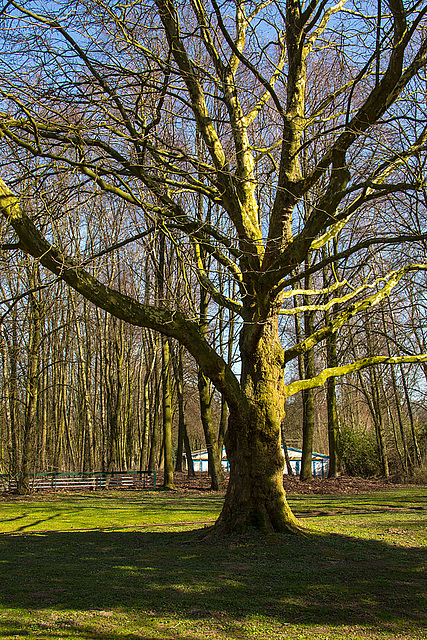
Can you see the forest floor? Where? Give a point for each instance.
(344, 485)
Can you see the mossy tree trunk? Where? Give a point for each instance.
(255, 495)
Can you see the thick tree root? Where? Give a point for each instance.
(257, 521)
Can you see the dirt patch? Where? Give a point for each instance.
(342, 485)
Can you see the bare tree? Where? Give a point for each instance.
(122, 114)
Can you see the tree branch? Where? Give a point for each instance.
(167, 322)
(335, 372)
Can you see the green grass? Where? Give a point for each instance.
(115, 566)
(106, 510)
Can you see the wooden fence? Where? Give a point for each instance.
(88, 481)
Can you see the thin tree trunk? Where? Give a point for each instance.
(146, 423)
(214, 460)
(224, 407)
(183, 440)
(331, 394)
(168, 482)
(331, 401)
(9, 393)
(155, 395)
(87, 438)
(150, 367)
(15, 432)
(205, 397)
(32, 386)
(406, 458)
(378, 417)
(190, 465)
(113, 375)
(130, 428)
(379, 422)
(103, 435)
(179, 384)
(118, 373)
(417, 452)
(308, 395)
(58, 412)
(285, 450)
(43, 455)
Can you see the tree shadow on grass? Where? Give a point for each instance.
(328, 580)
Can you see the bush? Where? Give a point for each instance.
(359, 454)
(419, 475)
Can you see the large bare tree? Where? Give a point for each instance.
(249, 133)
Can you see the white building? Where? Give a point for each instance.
(320, 462)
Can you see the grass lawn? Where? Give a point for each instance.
(131, 565)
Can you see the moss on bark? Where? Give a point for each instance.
(255, 497)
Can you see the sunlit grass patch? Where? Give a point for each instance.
(133, 565)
